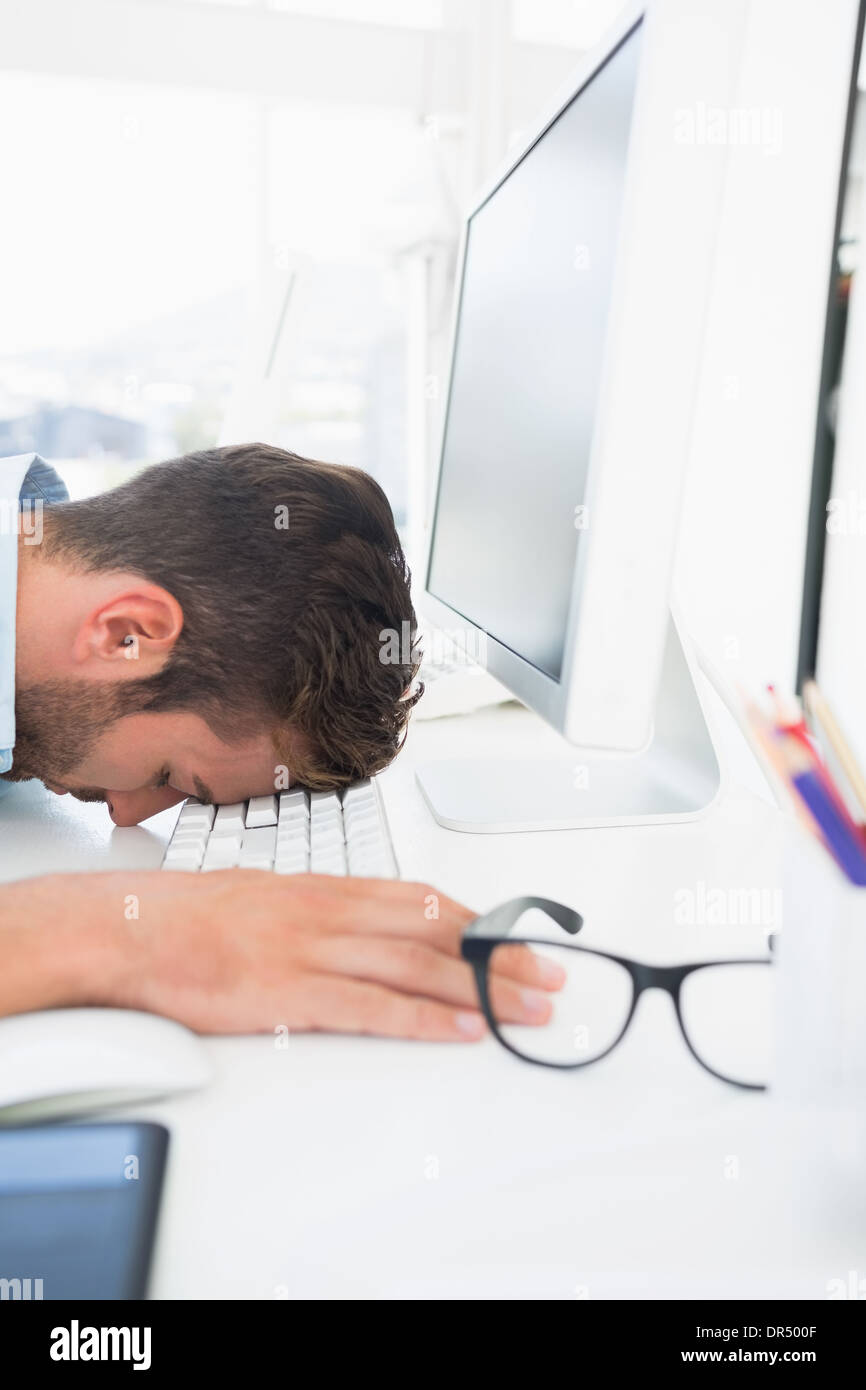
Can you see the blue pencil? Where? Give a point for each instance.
(846, 847)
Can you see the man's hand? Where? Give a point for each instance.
(245, 951)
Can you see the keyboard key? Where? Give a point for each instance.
(362, 821)
(222, 852)
(223, 847)
(361, 824)
(323, 803)
(190, 839)
(293, 801)
(326, 836)
(297, 849)
(299, 842)
(362, 805)
(229, 819)
(367, 848)
(367, 853)
(196, 813)
(368, 862)
(261, 810)
(294, 830)
(296, 862)
(187, 857)
(188, 830)
(330, 825)
(327, 862)
(193, 839)
(370, 828)
(257, 847)
(359, 791)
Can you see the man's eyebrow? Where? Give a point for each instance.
(202, 792)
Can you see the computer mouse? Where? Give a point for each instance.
(63, 1062)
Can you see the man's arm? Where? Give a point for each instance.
(52, 953)
(245, 951)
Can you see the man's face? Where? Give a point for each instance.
(138, 764)
(146, 762)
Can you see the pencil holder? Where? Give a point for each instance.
(821, 959)
(820, 1067)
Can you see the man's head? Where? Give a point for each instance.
(209, 625)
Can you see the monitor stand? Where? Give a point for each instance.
(674, 778)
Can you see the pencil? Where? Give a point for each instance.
(840, 833)
(789, 720)
(823, 716)
(764, 743)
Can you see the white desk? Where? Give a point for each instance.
(362, 1168)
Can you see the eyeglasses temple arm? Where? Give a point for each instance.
(497, 923)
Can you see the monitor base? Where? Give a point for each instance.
(675, 778)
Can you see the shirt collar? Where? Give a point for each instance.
(13, 471)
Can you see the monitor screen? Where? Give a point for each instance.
(526, 372)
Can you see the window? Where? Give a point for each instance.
(126, 261)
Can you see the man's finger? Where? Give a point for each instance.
(385, 907)
(418, 969)
(357, 1006)
(416, 911)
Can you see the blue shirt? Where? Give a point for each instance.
(27, 485)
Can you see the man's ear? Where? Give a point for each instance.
(139, 625)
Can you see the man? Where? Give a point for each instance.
(214, 628)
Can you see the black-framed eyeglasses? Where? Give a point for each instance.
(724, 1007)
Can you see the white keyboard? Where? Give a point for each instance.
(293, 832)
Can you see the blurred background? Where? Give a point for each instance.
(239, 218)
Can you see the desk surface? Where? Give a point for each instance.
(335, 1167)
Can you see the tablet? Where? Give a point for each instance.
(78, 1209)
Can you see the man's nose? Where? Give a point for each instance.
(129, 808)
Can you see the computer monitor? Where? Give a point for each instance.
(535, 298)
(832, 648)
(584, 278)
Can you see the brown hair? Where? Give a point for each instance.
(293, 586)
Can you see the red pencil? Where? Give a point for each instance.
(790, 723)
